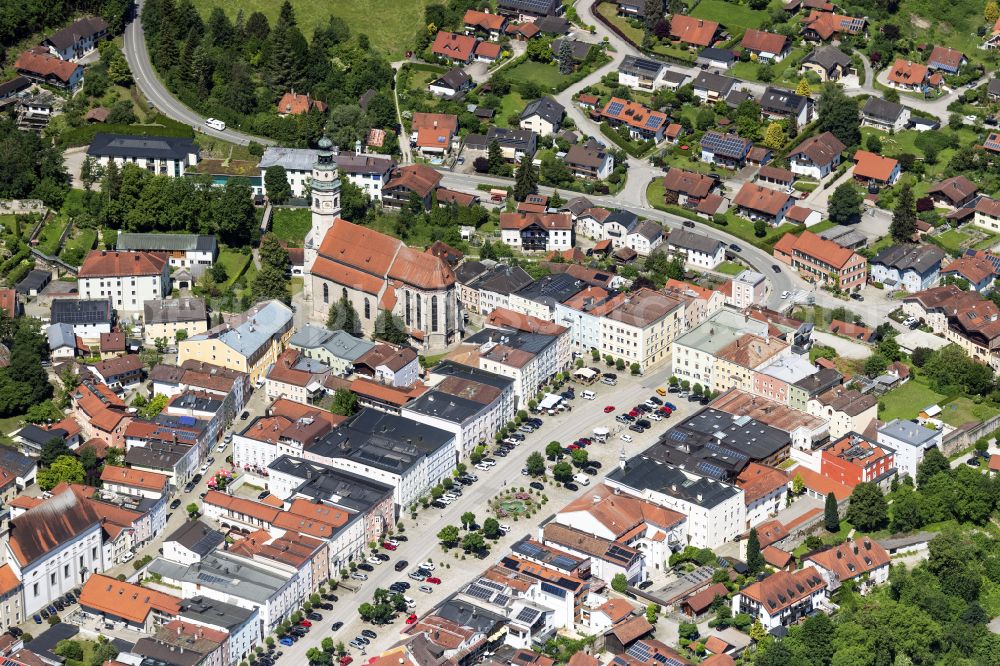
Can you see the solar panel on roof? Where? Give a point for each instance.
(619, 553)
(614, 108)
(529, 549)
(493, 585)
(670, 661)
(527, 615)
(478, 592)
(639, 651)
(501, 600)
(563, 562)
(710, 469)
(652, 121)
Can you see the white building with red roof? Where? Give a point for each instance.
(862, 559)
(128, 279)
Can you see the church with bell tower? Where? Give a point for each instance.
(325, 193)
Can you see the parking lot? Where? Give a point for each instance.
(455, 569)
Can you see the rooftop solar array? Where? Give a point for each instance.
(725, 144)
(563, 562)
(478, 592)
(653, 121)
(527, 615)
(618, 553)
(614, 108)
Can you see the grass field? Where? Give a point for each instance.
(291, 224)
(78, 244)
(730, 268)
(544, 74)
(953, 239)
(906, 401)
(609, 11)
(729, 14)
(390, 27)
(234, 263)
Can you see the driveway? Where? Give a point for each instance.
(73, 158)
(843, 346)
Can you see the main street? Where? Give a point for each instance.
(455, 572)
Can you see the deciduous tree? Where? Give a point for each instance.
(276, 184)
(867, 510)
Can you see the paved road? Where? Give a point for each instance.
(149, 83)
(422, 545)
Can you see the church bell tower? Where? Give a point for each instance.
(325, 193)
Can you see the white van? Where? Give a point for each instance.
(588, 395)
(582, 479)
(215, 124)
(410, 603)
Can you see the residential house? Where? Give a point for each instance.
(911, 268)
(820, 26)
(765, 492)
(77, 39)
(993, 90)
(296, 104)
(780, 104)
(453, 46)
(581, 315)
(590, 160)
(88, 318)
(907, 75)
(859, 559)
(816, 157)
(847, 410)
(991, 40)
(39, 66)
(368, 172)
(772, 175)
(543, 116)
(297, 377)
(641, 73)
(248, 343)
(699, 303)
(168, 317)
(492, 288)
(711, 87)
(783, 598)
(432, 133)
(727, 150)
(910, 442)
(641, 329)
(643, 123)
(693, 31)
(515, 145)
(697, 250)
(452, 83)
(747, 289)
(986, 214)
(533, 231)
(946, 59)
(142, 609)
(828, 62)
(977, 271)
(874, 169)
(128, 279)
(767, 46)
(489, 25)
(687, 188)
(405, 181)
(757, 202)
(578, 49)
(160, 155)
(823, 261)
(854, 459)
(118, 372)
(529, 10)
(389, 365)
(884, 115)
(954, 193)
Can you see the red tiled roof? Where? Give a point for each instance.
(852, 558)
(635, 115)
(783, 589)
(453, 45)
(100, 263)
(691, 30)
(8, 301)
(44, 65)
(490, 50)
(820, 484)
(851, 330)
(418, 178)
(484, 20)
(764, 42)
(905, 72)
(127, 476)
(815, 247)
(974, 269)
(294, 104)
(776, 557)
(125, 600)
(762, 199)
(827, 24)
(550, 221)
(758, 481)
(944, 55)
(692, 184)
(876, 167)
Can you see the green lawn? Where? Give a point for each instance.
(390, 27)
(962, 410)
(291, 224)
(544, 74)
(77, 245)
(609, 11)
(906, 401)
(234, 262)
(48, 237)
(953, 239)
(512, 104)
(7, 221)
(748, 70)
(729, 14)
(730, 268)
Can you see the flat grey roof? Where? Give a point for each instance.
(348, 491)
(909, 432)
(166, 242)
(644, 473)
(219, 571)
(215, 613)
(720, 329)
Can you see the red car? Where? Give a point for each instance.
(634, 413)
(388, 546)
(412, 619)
(346, 659)
(433, 579)
(666, 410)
(573, 447)
(609, 409)
(305, 623)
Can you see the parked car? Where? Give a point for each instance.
(609, 409)
(368, 633)
(645, 585)
(417, 576)
(346, 659)
(402, 564)
(176, 503)
(412, 619)
(336, 625)
(286, 641)
(635, 427)
(359, 576)
(314, 616)
(433, 579)
(569, 485)
(426, 588)
(536, 485)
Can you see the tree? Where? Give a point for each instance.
(831, 518)
(468, 520)
(389, 327)
(448, 536)
(562, 472)
(904, 216)
(343, 317)
(688, 632)
(845, 204)
(838, 114)
(192, 510)
(345, 402)
(64, 468)
(554, 450)
(803, 89)
(473, 542)
(526, 179)
(774, 135)
(876, 364)
(798, 484)
(155, 405)
(619, 583)
(933, 463)
(652, 612)
(755, 561)
(565, 57)
(491, 528)
(991, 12)
(271, 281)
(920, 356)
(535, 464)
(759, 228)
(705, 118)
(51, 450)
(579, 457)
(757, 631)
(276, 184)
(867, 510)
(494, 155)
